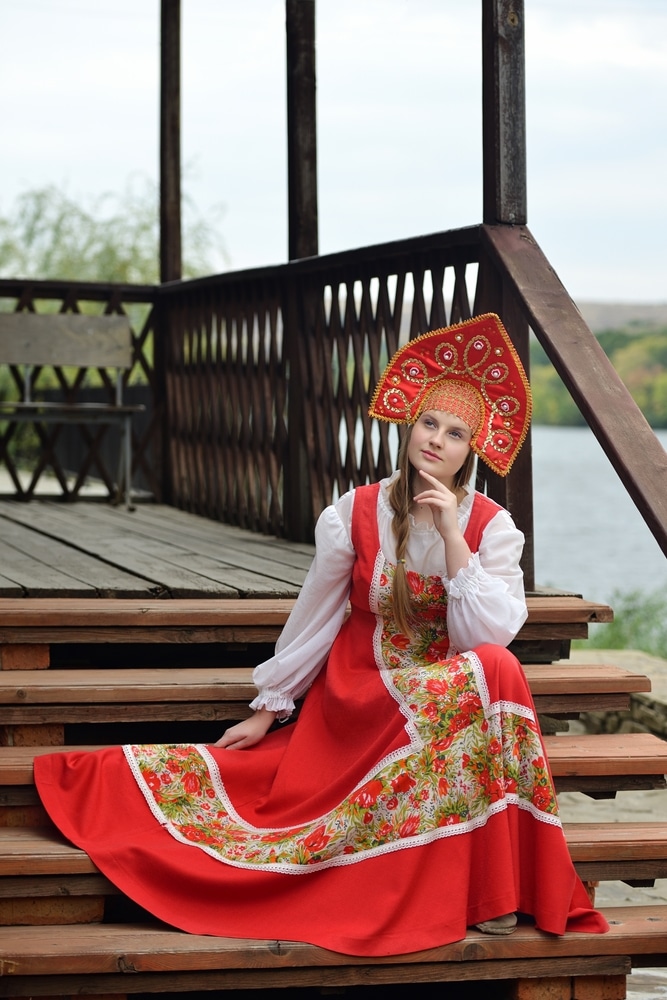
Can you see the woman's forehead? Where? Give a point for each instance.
(445, 417)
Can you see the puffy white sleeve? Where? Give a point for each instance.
(315, 619)
(486, 599)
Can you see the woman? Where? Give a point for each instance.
(412, 798)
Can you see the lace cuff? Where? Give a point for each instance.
(274, 701)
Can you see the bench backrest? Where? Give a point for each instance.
(65, 339)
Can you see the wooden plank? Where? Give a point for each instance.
(203, 535)
(32, 887)
(155, 613)
(604, 754)
(134, 711)
(635, 930)
(88, 574)
(561, 608)
(235, 683)
(16, 762)
(632, 754)
(65, 339)
(550, 678)
(232, 633)
(9, 588)
(130, 554)
(191, 611)
(334, 979)
(171, 565)
(39, 578)
(617, 841)
(281, 549)
(42, 851)
(49, 910)
(151, 684)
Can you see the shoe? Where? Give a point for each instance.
(499, 925)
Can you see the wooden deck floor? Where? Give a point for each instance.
(91, 549)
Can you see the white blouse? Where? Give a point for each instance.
(486, 601)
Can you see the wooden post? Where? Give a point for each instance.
(504, 141)
(170, 141)
(301, 129)
(504, 111)
(302, 242)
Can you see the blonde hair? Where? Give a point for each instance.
(401, 493)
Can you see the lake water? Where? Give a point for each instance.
(589, 536)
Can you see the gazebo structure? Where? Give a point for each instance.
(259, 379)
(257, 386)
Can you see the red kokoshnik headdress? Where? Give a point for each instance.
(471, 369)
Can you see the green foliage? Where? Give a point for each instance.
(114, 238)
(640, 622)
(639, 355)
(552, 403)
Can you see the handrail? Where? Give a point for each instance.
(607, 406)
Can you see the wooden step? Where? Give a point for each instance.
(600, 851)
(616, 761)
(130, 694)
(141, 958)
(57, 620)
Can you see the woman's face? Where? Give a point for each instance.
(439, 444)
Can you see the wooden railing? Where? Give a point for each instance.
(268, 375)
(260, 379)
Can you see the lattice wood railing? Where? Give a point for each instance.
(74, 454)
(268, 375)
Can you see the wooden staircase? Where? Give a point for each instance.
(187, 667)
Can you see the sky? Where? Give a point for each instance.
(399, 122)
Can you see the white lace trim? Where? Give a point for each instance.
(405, 843)
(511, 708)
(274, 701)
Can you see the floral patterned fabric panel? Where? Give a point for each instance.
(469, 764)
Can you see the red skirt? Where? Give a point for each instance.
(343, 830)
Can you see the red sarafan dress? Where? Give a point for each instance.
(411, 799)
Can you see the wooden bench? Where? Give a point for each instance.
(29, 342)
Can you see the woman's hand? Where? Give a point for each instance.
(444, 503)
(245, 734)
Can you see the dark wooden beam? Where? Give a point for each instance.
(630, 444)
(170, 141)
(301, 129)
(504, 112)
(495, 293)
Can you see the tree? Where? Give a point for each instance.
(114, 238)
